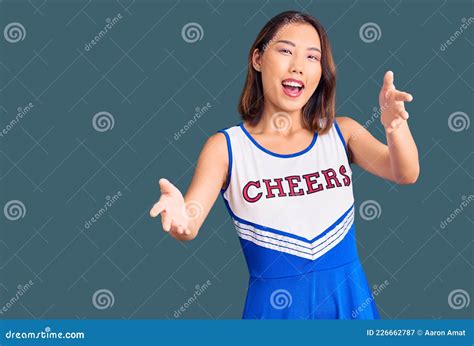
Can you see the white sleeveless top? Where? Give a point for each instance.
(300, 204)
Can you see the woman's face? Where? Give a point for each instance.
(290, 66)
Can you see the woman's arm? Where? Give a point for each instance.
(403, 155)
(183, 217)
(397, 161)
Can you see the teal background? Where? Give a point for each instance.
(151, 80)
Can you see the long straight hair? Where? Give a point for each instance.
(319, 111)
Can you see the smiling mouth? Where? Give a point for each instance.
(292, 89)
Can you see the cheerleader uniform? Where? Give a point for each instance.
(294, 216)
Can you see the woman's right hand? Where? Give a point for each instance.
(183, 217)
(172, 208)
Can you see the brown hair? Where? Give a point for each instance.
(319, 111)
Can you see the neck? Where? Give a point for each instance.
(278, 122)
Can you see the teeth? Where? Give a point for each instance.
(293, 84)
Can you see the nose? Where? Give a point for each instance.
(297, 69)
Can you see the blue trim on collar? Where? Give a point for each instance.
(342, 139)
(229, 153)
(315, 137)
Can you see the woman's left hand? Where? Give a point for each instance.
(392, 104)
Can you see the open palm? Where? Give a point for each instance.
(172, 208)
(392, 104)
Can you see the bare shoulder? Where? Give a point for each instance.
(214, 153)
(348, 126)
(216, 144)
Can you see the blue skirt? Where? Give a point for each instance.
(336, 293)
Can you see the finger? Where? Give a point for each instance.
(404, 115)
(395, 123)
(403, 96)
(399, 107)
(166, 221)
(388, 80)
(176, 228)
(166, 186)
(157, 209)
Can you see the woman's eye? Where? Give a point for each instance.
(284, 50)
(312, 57)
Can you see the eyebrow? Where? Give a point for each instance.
(294, 45)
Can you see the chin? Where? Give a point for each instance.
(290, 107)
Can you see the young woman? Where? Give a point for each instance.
(284, 174)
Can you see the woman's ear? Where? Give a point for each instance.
(256, 59)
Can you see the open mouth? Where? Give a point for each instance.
(292, 87)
